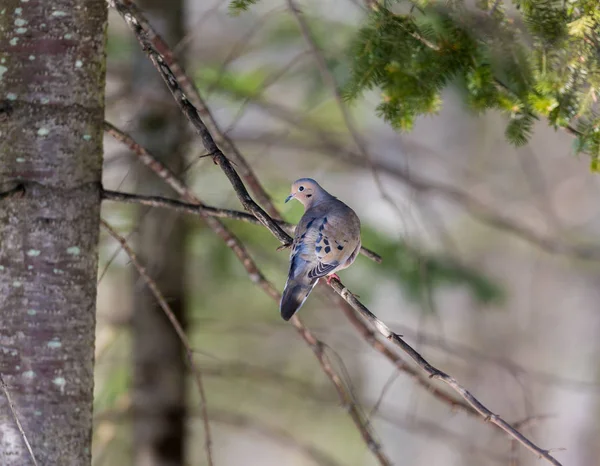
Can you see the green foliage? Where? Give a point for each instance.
(419, 273)
(236, 83)
(238, 6)
(549, 68)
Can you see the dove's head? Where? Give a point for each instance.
(307, 191)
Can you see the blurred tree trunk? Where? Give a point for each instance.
(52, 71)
(159, 375)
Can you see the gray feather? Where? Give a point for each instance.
(294, 294)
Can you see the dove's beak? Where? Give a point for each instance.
(289, 197)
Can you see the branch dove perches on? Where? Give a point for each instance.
(327, 239)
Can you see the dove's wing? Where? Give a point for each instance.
(327, 239)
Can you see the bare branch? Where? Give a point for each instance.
(156, 49)
(522, 424)
(193, 95)
(281, 436)
(370, 337)
(258, 278)
(470, 203)
(194, 209)
(180, 188)
(435, 373)
(176, 325)
(13, 411)
(248, 203)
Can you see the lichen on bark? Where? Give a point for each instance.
(51, 112)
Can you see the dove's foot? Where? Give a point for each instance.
(331, 277)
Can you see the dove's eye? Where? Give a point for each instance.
(301, 188)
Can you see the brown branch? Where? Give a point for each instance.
(523, 423)
(194, 209)
(13, 411)
(329, 80)
(248, 203)
(435, 373)
(258, 278)
(180, 188)
(191, 92)
(370, 337)
(176, 325)
(471, 204)
(242, 421)
(278, 434)
(326, 75)
(149, 42)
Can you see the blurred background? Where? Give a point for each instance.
(479, 272)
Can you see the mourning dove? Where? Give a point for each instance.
(327, 239)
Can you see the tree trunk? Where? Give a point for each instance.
(159, 375)
(52, 71)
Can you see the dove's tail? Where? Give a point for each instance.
(294, 295)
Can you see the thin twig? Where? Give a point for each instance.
(258, 278)
(176, 325)
(470, 203)
(182, 190)
(13, 411)
(249, 204)
(435, 373)
(195, 108)
(522, 424)
(195, 209)
(370, 337)
(329, 80)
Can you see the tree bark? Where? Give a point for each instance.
(52, 72)
(159, 375)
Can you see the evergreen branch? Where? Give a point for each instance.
(258, 278)
(151, 284)
(495, 5)
(327, 76)
(195, 209)
(329, 80)
(238, 186)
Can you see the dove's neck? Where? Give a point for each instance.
(317, 199)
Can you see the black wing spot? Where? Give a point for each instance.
(326, 242)
(318, 248)
(322, 227)
(319, 238)
(340, 247)
(327, 250)
(309, 224)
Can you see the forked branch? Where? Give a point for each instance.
(130, 14)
